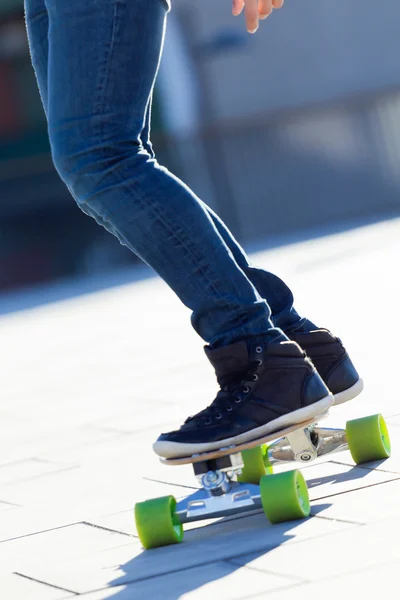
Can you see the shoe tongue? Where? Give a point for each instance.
(228, 360)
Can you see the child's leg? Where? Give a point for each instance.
(103, 58)
(275, 291)
(269, 286)
(325, 350)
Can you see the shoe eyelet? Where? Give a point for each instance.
(237, 400)
(229, 408)
(259, 349)
(218, 416)
(259, 362)
(246, 390)
(255, 377)
(208, 421)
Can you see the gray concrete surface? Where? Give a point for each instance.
(88, 383)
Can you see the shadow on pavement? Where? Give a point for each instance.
(173, 571)
(208, 553)
(354, 473)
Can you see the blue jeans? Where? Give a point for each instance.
(96, 62)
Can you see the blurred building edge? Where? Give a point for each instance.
(293, 129)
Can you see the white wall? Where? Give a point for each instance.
(310, 51)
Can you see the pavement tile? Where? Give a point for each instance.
(25, 522)
(331, 478)
(203, 545)
(369, 505)
(31, 468)
(14, 587)
(76, 435)
(329, 556)
(368, 584)
(394, 419)
(49, 443)
(75, 541)
(219, 580)
(71, 499)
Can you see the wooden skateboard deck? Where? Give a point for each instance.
(213, 454)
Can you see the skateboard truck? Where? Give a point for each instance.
(305, 445)
(222, 494)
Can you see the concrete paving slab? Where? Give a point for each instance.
(83, 400)
(219, 580)
(364, 583)
(31, 468)
(329, 556)
(16, 587)
(70, 499)
(369, 505)
(202, 546)
(74, 541)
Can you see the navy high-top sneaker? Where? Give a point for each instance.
(332, 363)
(264, 388)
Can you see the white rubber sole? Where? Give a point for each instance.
(167, 449)
(348, 394)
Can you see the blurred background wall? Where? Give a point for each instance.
(294, 129)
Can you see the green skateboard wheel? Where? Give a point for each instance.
(368, 439)
(284, 496)
(255, 465)
(157, 524)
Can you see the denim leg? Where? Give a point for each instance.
(37, 25)
(103, 58)
(269, 286)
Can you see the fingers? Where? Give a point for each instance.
(254, 10)
(251, 15)
(237, 7)
(264, 8)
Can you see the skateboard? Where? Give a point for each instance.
(238, 479)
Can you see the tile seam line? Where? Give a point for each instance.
(95, 526)
(20, 461)
(296, 580)
(365, 487)
(133, 536)
(51, 585)
(11, 504)
(340, 520)
(187, 487)
(358, 571)
(329, 578)
(34, 477)
(293, 541)
(150, 577)
(20, 537)
(278, 590)
(206, 563)
(362, 466)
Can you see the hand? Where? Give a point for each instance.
(254, 10)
